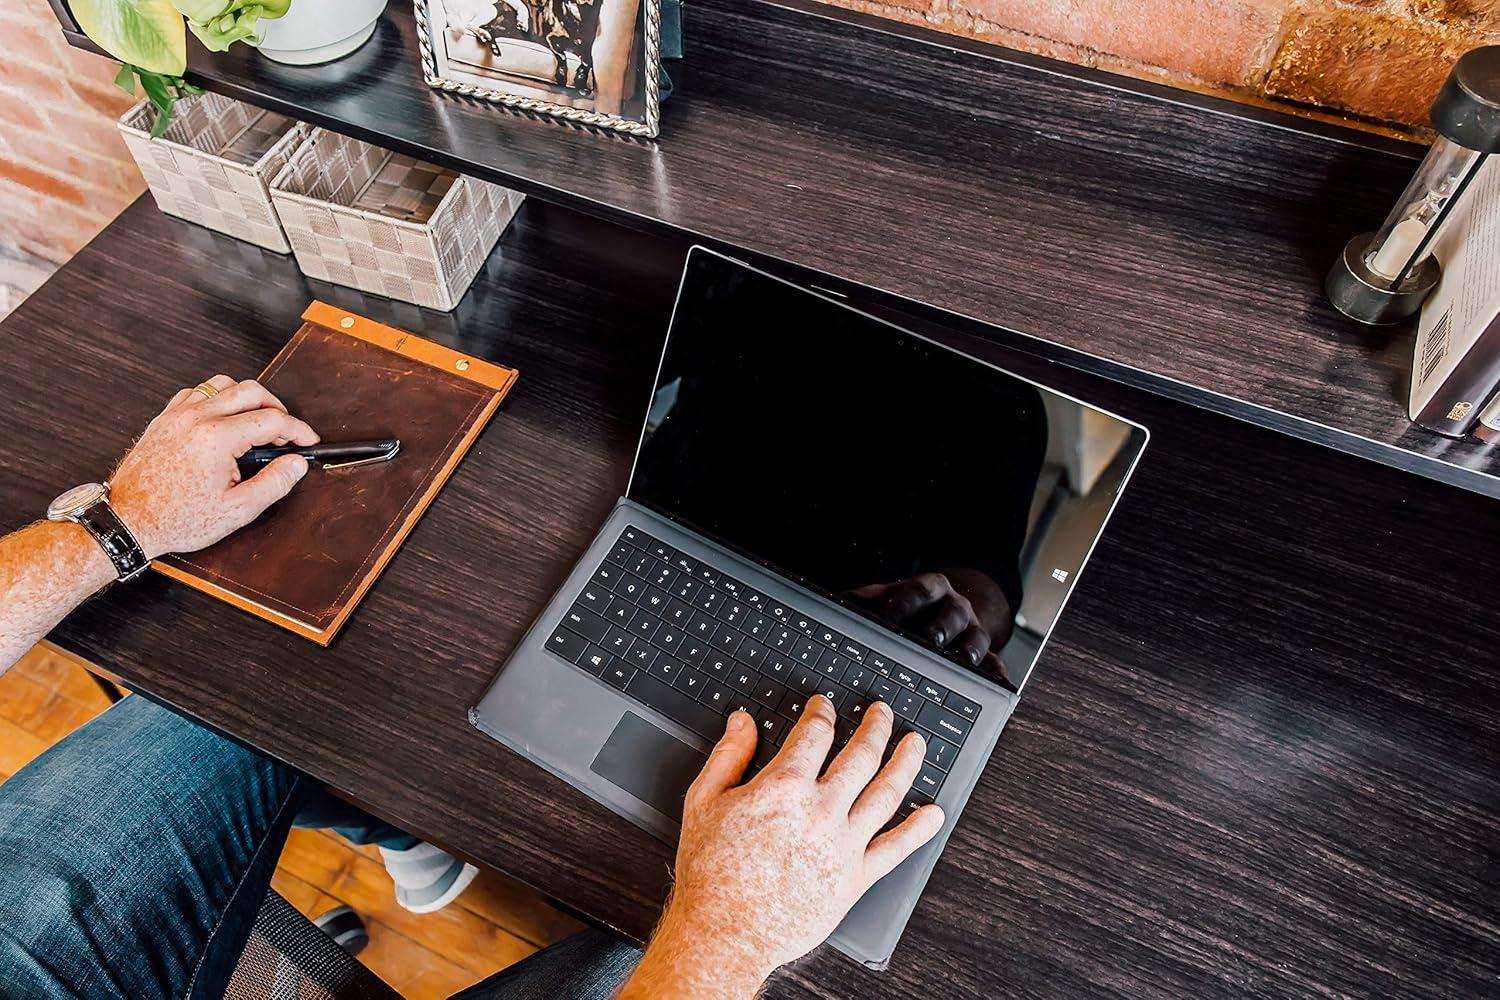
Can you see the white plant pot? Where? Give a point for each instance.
(318, 31)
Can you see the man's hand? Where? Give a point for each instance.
(766, 870)
(959, 610)
(179, 489)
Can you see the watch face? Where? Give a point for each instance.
(76, 500)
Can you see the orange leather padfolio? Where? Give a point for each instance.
(307, 561)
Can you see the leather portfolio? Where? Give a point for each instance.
(307, 561)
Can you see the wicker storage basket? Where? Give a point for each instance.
(214, 162)
(363, 216)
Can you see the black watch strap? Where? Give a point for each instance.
(115, 539)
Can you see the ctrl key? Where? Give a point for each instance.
(569, 645)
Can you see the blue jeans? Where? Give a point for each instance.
(134, 856)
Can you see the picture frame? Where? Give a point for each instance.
(595, 62)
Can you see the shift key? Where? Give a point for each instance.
(677, 706)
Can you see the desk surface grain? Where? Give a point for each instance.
(1257, 757)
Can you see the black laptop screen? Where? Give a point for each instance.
(945, 499)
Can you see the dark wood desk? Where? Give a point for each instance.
(1258, 756)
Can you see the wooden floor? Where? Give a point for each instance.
(494, 923)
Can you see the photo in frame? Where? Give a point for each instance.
(597, 62)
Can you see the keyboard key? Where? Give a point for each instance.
(569, 645)
(618, 673)
(654, 600)
(756, 626)
(621, 554)
(831, 665)
(772, 728)
(729, 585)
(905, 676)
(783, 639)
(690, 682)
(908, 704)
(932, 690)
(707, 576)
(768, 693)
(726, 640)
(913, 801)
(708, 600)
(732, 612)
(807, 653)
(617, 641)
(635, 536)
(743, 679)
(777, 668)
(620, 611)
(803, 624)
(606, 575)
(792, 703)
(629, 587)
(805, 680)
(676, 706)
(644, 624)
(718, 664)
(858, 678)
(693, 651)
(669, 638)
(702, 627)
(854, 709)
(828, 637)
(765, 752)
(778, 611)
(754, 598)
(940, 752)
(593, 597)
(665, 667)
(948, 725)
(835, 694)
(641, 656)
(685, 588)
(661, 550)
(586, 623)
(880, 664)
(752, 654)
(963, 706)
(685, 564)
(594, 660)
(641, 565)
(929, 780)
(853, 650)
(678, 613)
(742, 703)
(716, 696)
(664, 577)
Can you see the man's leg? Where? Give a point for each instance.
(134, 856)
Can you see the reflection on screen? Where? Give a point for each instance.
(909, 483)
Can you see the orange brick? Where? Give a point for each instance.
(1382, 66)
(1220, 41)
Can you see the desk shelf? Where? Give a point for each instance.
(1172, 242)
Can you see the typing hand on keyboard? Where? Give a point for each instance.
(768, 868)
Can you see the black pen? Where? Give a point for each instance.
(330, 456)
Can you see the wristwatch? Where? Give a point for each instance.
(88, 505)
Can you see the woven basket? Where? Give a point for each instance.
(213, 164)
(381, 222)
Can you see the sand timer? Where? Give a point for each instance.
(1383, 277)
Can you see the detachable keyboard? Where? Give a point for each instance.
(695, 644)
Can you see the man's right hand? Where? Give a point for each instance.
(767, 869)
(179, 489)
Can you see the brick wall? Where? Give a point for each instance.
(64, 172)
(1380, 61)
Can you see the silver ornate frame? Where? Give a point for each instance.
(646, 129)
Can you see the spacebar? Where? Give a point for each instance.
(676, 706)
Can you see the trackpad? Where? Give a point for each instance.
(654, 766)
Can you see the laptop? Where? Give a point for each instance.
(821, 502)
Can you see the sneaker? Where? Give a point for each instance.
(427, 878)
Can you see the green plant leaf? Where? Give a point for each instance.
(125, 79)
(148, 34)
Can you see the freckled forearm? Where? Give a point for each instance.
(46, 570)
(689, 960)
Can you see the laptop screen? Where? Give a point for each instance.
(938, 496)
